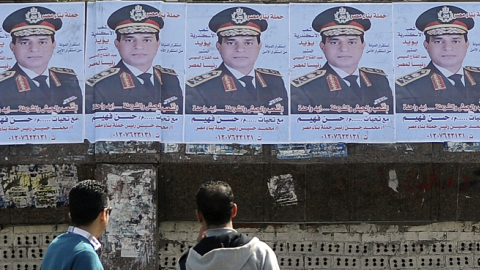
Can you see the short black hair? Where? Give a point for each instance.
(220, 38)
(87, 199)
(119, 36)
(324, 39)
(14, 38)
(215, 202)
(427, 37)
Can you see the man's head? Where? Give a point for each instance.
(137, 27)
(238, 30)
(215, 203)
(87, 200)
(446, 41)
(342, 30)
(32, 32)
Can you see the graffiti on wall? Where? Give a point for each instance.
(36, 186)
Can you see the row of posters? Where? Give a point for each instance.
(230, 73)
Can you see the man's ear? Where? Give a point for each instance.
(217, 45)
(322, 45)
(12, 46)
(103, 215)
(199, 216)
(116, 43)
(234, 210)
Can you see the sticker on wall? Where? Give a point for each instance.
(282, 189)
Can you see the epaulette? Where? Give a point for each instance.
(195, 81)
(7, 74)
(373, 71)
(473, 69)
(268, 71)
(412, 77)
(102, 75)
(308, 77)
(63, 70)
(166, 70)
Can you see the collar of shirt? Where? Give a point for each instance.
(92, 239)
(33, 74)
(237, 74)
(447, 73)
(219, 231)
(137, 71)
(344, 74)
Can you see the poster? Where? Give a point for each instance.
(51, 50)
(330, 42)
(219, 107)
(239, 73)
(430, 108)
(126, 41)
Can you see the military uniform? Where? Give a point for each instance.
(323, 87)
(323, 90)
(62, 93)
(17, 89)
(428, 86)
(221, 89)
(428, 89)
(118, 85)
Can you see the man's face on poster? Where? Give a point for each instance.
(343, 52)
(33, 52)
(138, 49)
(240, 52)
(447, 51)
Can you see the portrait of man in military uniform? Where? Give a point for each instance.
(340, 85)
(236, 86)
(135, 84)
(444, 84)
(31, 86)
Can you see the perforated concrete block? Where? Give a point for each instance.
(331, 248)
(346, 262)
(465, 261)
(294, 262)
(403, 262)
(374, 262)
(317, 262)
(430, 261)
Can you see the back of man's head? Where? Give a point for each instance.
(215, 202)
(87, 200)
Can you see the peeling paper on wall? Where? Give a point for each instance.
(282, 189)
(393, 180)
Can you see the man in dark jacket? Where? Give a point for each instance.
(236, 86)
(340, 86)
(219, 245)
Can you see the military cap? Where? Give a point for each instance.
(444, 20)
(238, 21)
(32, 21)
(341, 21)
(137, 18)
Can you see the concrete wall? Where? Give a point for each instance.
(374, 197)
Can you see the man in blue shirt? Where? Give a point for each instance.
(90, 213)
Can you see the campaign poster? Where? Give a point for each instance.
(437, 73)
(237, 66)
(341, 73)
(41, 79)
(134, 70)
